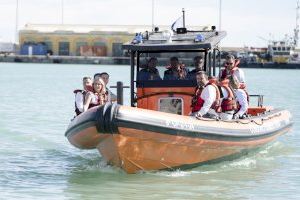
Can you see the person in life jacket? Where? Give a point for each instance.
(80, 94)
(206, 100)
(231, 68)
(241, 96)
(111, 97)
(149, 72)
(228, 101)
(176, 70)
(97, 97)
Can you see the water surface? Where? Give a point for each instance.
(37, 162)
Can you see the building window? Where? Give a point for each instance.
(49, 47)
(63, 48)
(117, 50)
(78, 47)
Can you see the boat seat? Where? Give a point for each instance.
(254, 111)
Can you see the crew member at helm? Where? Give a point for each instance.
(176, 70)
(231, 68)
(206, 100)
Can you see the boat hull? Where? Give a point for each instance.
(142, 140)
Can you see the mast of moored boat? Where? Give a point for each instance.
(183, 17)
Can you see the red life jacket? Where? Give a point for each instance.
(197, 101)
(77, 111)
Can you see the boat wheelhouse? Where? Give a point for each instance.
(156, 94)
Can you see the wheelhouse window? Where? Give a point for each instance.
(169, 69)
(171, 105)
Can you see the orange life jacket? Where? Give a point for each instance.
(229, 103)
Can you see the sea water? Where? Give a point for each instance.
(37, 161)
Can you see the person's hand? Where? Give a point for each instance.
(235, 116)
(198, 115)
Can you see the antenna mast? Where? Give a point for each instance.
(183, 17)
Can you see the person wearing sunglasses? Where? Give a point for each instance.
(231, 68)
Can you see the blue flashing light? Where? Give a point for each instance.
(199, 38)
(137, 39)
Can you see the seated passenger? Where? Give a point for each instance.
(241, 96)
(231, 68)
(111, 97)
(149, 72)
(199, 66)
(206, 101)
(96, 98)
(80, 94)
(176, 71)
(228, 101)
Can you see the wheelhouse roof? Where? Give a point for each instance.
(212, 39)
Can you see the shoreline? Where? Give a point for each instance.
(121, 61)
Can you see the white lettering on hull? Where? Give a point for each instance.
(179, 125)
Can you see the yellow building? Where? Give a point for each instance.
(83, 40)
(78, 40)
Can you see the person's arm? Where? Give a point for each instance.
(79, 101)
(240, 75)
(209, 96)
(112, 96)
(88, 99)
(242, 99)
(166, 75)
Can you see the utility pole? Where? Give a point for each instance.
(62, 11)
(17, 23)
(153, 15)
(220, 15)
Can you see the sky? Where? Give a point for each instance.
(245, 21)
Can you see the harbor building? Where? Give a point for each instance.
(78, 40)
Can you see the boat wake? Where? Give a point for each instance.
(262, 157)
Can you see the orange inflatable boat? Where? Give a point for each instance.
(156, 131)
